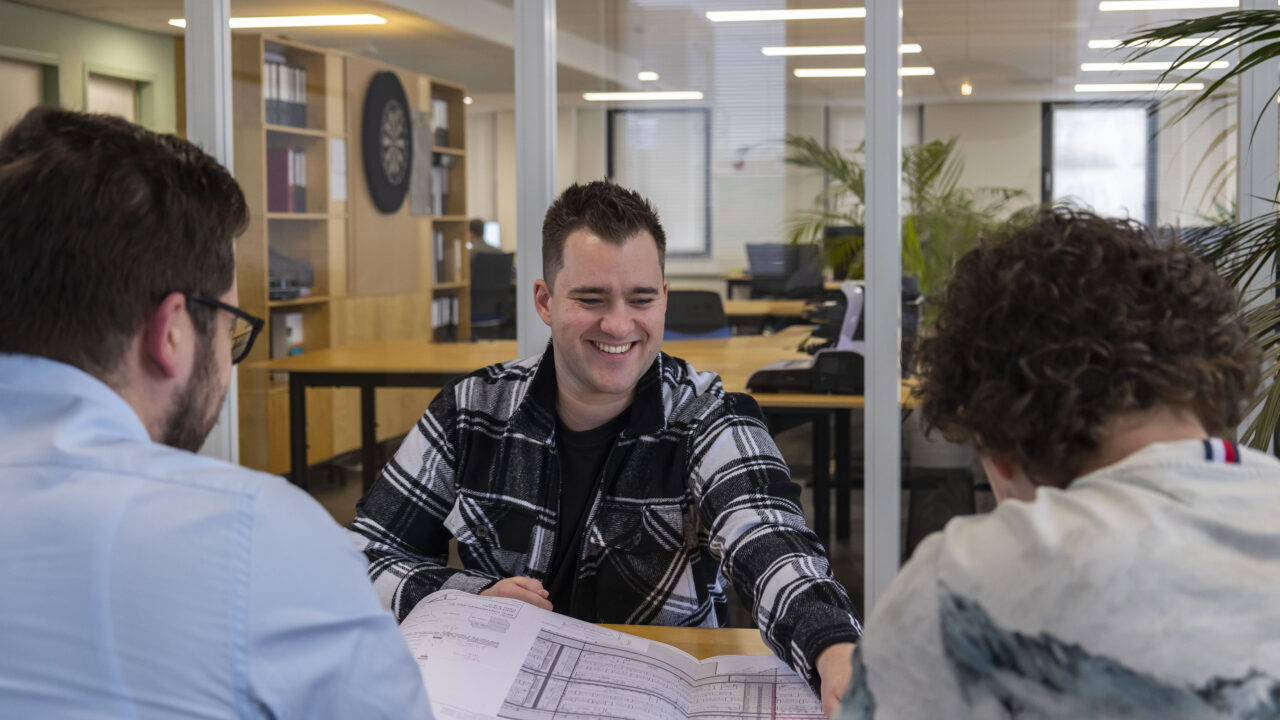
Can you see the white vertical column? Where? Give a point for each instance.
(208, 92)
(1259, 147)
(535, 57)
(883, 315)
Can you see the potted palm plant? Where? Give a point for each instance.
(1245, 252)
(943, 220)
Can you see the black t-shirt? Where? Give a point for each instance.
(582, 456)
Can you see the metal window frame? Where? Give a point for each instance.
(1150, 201)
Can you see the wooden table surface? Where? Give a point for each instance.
(764, 308)
(734, 359)
(702, 643)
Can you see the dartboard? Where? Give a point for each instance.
(387, 141)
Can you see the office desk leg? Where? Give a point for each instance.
(298, 430)
(368, 436)
(821, 473)
(843, 479)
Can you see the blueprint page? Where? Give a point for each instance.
(486, 657)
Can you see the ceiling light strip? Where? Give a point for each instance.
(830, 50)
(1138, 87)
(857, 72)
(294, 21)
(1138, 5)
(629, 96)
(1111, 44)
(763, 15)
(1155, 66)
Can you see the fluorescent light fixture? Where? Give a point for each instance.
(1138, 87)
(1123, 5)
(466, 100)
(1158, 66)
(759, 15)
(966, 89)
(857, 72)
(293, 21)
(831, 49)
(627, 96)
(1180, 42)
(646, 76)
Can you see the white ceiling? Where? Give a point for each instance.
(1008, 49)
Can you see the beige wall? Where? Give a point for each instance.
(112, 96)
(1000, 142)
(82, 45)
(482, 128)
(21, 89)
(491, 183)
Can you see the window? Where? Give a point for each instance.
(665, 155)
(1100, 156)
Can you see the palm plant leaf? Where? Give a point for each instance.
(846, 173)
(1254, 31)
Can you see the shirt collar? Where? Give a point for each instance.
(33, 384)
(537, 412)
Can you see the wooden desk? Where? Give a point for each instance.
(702, 643)
(419, 363)
(744, 310)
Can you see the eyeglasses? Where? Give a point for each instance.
(244, 329)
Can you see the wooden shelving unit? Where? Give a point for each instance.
(334, 232)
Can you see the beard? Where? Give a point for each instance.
(195, 408)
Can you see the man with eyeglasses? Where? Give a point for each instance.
(141, 580)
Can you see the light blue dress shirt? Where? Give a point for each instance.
(140, 581)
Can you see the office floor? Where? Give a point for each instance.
(339, 491)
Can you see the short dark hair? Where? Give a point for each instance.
(99, 220)
(610, 211)
(1045, 334)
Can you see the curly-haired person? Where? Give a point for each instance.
(1132, 566)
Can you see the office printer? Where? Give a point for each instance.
(837, 345)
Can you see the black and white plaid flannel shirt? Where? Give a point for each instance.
(693, 490)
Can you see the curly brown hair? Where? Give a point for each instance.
(1046, 333)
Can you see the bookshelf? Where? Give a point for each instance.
(343, 272)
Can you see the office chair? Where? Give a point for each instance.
(493, 297)
(770, 264)
(805, 279)
(694, 315)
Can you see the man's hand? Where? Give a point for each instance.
(835, 665)
(531, 591)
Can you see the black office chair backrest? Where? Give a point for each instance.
(805, 280)
(768, 260)
(492, 294)
(491, 271)
(695, 312)
(771, 264)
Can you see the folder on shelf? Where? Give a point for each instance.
(299, 184)
(279, 176)
(440, 121)
(438, 237)
(286, 180)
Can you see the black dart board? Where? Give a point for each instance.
(386, 138)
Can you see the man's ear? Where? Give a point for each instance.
(542, 299)
(165, 332)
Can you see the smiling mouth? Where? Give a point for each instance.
(613, 349)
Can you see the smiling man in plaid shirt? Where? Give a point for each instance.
(605, 479)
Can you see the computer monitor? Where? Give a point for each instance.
(491, 236)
